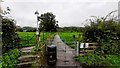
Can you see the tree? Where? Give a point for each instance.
(19, 29)
(48, 22)
(9, 37)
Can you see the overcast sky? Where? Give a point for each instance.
(68, 12)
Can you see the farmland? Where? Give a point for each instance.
(29, 38)
(70, 38)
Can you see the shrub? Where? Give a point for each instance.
(9, 59)
(8, 34)
(105, 32)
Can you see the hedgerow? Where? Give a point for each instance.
(106, 32)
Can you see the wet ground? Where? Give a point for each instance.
(65, 55)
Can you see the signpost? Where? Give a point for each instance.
(37, 31)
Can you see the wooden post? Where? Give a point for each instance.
(37, 37)
(77, 48)
(37, 31)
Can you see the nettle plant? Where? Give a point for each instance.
(106, 32)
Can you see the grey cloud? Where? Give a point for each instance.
(67, 13)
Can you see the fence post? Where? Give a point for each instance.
(77, 49)
(37, 38)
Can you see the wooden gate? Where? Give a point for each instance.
(87, 47)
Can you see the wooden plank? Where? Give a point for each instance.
(89, 50)
(26, 63)
(85, 51)
(92, 47)
(82, 54)
(82, 51)
(28, 56)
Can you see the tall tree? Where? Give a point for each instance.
(48, 22)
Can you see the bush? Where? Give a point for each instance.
(9, 59)
(106, 32)
(8, 34)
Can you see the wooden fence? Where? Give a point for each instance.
(86, 48)
(41, 59)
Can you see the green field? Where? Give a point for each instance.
(29, 38)
(68, 38)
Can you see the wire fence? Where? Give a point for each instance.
(28, 40)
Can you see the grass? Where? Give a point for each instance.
(68, 38)
(29, 38)
(107, 60)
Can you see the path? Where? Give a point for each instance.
(65, 54)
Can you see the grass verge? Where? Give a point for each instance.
(97, 60)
